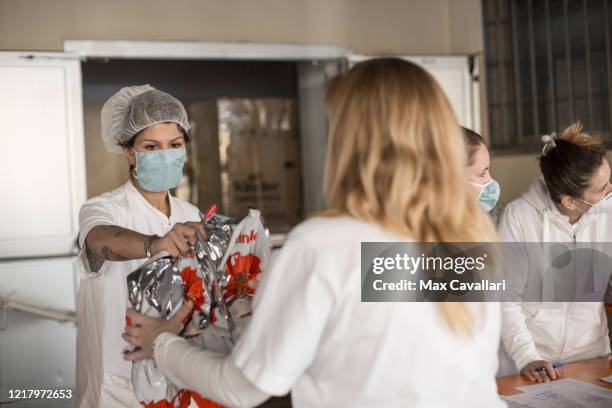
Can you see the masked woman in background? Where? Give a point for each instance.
(120, 229)
(394, 172)
(568, 204)
(485, 188)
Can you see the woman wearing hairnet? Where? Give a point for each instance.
(120, 229)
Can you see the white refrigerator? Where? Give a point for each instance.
(43, 175)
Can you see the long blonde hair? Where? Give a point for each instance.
(396, 157)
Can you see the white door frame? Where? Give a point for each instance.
(203, 50)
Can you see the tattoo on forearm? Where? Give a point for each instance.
(110, 255)
(101, 228)
(103, 232)
(95, 263)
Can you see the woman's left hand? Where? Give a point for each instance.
(145, 330)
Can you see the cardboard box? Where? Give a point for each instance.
(257, 161)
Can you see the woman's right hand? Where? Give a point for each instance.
(540, 371)
(180, 240)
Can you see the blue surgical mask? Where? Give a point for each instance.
(489, 194)
(159, 170)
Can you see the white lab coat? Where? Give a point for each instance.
(103, 377)
(561, 331)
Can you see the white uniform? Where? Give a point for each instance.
(560, 331)
(311, 334)
(103, 377)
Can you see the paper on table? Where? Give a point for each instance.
(607, 379)
(566, 383)
(543, 399)
(517, 402)
(563, 393)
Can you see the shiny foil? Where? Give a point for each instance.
(213, 281)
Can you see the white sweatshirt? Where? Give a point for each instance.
(560, 331)
(311, 334)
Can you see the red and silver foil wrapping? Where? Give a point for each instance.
(220, 279)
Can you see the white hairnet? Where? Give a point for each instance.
(135, 108)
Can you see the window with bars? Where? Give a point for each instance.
(548, 63)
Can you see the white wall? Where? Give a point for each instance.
(368, 26)
(388, 26)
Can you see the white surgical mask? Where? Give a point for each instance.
(596, 205)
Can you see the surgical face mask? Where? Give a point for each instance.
(159, 170)
(489, 194)
(598, 204)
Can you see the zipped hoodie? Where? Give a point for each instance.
(552, 331)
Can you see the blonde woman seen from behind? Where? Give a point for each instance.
(394, 172)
